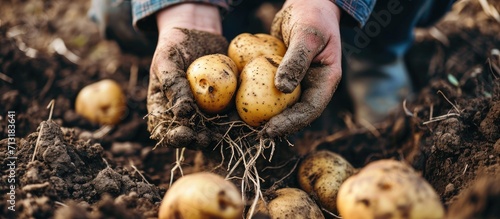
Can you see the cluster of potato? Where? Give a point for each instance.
(328, 184)
(245, 76)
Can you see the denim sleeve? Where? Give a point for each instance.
(358, 10)
(143, 10)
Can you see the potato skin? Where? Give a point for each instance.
(102, 102)
(257, 99)
(213, 81)
(201, 195)
(321, 173)
(289, 203)
(388, 189)
(245, 47)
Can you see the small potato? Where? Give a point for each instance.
(257, 99)
(245, 47)
(102, 102)
(289, 203)
(213, 81)
(321, 173)
(388, 189)
(202, 195)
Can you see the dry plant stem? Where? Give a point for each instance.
(447, 100)
(330, 213)
(257, 190)
(139, 172)
(51, 106)
(490, 10)
(101, 132)
(159, 125)
(37, 142)
(179, 158)
(275, 184)
(369, 127)
(6, 78)
(61, 204)
(443, 117)
(406, 110)
(134, 71)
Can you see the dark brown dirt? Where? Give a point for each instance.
(81, 170)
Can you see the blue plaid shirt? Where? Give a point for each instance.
(142, 10)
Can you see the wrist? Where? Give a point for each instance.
(331, 4)
(195, 16)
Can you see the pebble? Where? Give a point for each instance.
(450, 188)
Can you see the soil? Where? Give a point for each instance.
(67, 167)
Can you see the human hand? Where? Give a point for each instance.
(186, 32)
(310, 29)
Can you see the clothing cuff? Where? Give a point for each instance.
(358, 10)
(143, 11)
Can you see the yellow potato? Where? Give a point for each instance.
(245, 47)
(321, 173)
(102, 102)
(202, 195)
(388, 189)
(213, 81)
(257, 99)
(289, 203)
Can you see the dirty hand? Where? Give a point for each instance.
(186, 31)
(310, 29)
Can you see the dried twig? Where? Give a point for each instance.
(132, 82)
(6, 78)
(139, 172)
(330, 213)
(440, 36)
(369, 127)
(490, 10)
(447, 100)
(179, 158)
(406, 110)
(440, 118)
(37, 142)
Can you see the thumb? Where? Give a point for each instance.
(304, 44)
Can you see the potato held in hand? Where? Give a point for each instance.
(388, 189)
(257, 99)
(245, 47)
(321, 173)
(102, 102)
(213, 81)
(201, 195)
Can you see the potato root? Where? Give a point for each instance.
(321, 173)
(388, 189)
(213, 81)
(102, 102)
(201, 195)
(257, 99)
(245, 47)
(289, 203)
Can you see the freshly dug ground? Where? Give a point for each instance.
(66, 167)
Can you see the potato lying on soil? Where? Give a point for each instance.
(102, 102)
(257, 99)
(289, 203)
(201, 195)
(245, 47)
(321, 174)
(388, 189)
(213, 81)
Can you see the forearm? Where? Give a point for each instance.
(144, 11)
(196, 16)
